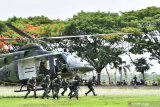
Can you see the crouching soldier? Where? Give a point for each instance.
(90, 86)
(56, 84)
(31, 86)
(46, 86)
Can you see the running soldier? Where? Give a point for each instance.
(31, 86)
(90, 86)
(70, 86)
(56, 84)
(64, 86)
(75, 87)
(46, 86)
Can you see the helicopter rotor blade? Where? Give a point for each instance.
(62, 37)
(27, 37)
(79, 36)
(18, 31)
(40, 40)
(10, 39)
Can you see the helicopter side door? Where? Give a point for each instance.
(26, 68)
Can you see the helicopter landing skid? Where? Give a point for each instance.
(38, 89)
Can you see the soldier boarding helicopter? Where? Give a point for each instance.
(23, 64)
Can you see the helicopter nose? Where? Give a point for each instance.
(77, 64)
(84, 67)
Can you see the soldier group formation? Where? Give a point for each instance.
(54, 86)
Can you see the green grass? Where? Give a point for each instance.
(89, 101)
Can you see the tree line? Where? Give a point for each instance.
(142, 25)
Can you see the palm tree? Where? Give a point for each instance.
(121, 66)
(109, 79)
(115, 65)
(125, 68)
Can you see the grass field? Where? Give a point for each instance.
(89, 101)
(106, 98)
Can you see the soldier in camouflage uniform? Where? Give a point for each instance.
(90, 86)
(75, 87)
(65, 84)
(70, 86)
(56, 84)
(46, 86)
(31, 86)
(43, 70)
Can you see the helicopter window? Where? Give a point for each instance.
(60, 64)
(62, 60)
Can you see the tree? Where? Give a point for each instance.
(99, 52)
(151, 44)
(141, 66)
(92, 23)
(38, 20)
(109, 79)
(145, 37)
(115, 65)
(2, 27)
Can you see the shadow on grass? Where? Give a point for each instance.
(38, 97)
(15, 97)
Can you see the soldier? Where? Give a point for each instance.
(135, 80)
(56, 84)
(43, 70)
(46, 86)
(64, 86)
(90, 86)
(70, 87)
(31, 86)
(75, 87)
(59, 65)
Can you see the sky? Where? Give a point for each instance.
(64, 9)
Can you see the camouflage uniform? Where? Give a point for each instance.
(31, 86)
(90, 86)
(64, 86)
(75, 87)
(56, 84)
(70, 87)
(46, 86)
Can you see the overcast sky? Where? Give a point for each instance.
(64, 9)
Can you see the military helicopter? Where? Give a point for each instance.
(23, 64)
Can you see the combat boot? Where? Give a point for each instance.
(77, 97)
(94, 94)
